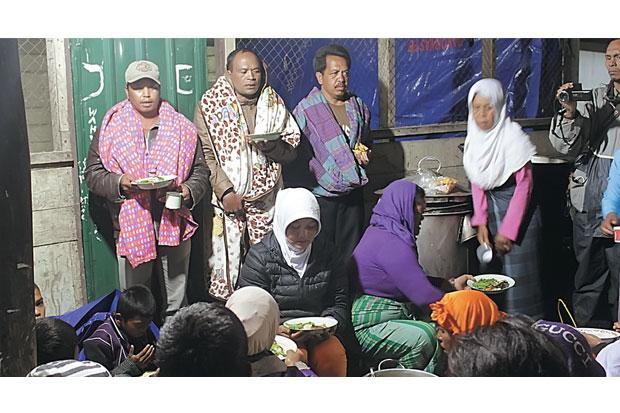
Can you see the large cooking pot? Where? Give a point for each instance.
(442, 251)
(399, 371)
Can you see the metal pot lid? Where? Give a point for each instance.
(464, 211)
(458, 192)
(448, 207)
(458, 195)
(447, 198)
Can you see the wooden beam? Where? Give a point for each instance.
(57, 75)
(79, 276)
(593, 45)
(488, 58)
(52, 226)
(437, 128)
(223, 47)
(570, 60)
(51, 159)
(17, 337)
(387, 82)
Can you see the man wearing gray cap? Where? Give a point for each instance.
(145, 137)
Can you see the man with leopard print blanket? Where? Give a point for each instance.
(245, 174)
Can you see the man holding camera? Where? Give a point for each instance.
(590, 137)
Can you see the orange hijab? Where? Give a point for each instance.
(462, 311)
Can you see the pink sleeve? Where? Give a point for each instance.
(479, 199)
(518, 204)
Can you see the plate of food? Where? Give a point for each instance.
(601, 333)
(318, 328)
(281, 345)
(491, 283)
(154, 182)
(265, 137)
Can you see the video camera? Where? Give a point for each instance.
(575, 94)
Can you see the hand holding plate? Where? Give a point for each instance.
(125, 185)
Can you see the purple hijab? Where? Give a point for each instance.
(394, 211)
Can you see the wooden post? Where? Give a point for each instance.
(17, 338)
(223, 47)
(488, 58)
(570, 60)
(387, 83)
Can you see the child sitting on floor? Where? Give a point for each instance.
(57, 347)
(126, 335)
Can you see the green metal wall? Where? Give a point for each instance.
(98, 73)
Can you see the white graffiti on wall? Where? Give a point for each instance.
(186, 78)
(92, 128)
(94, 68)
(92, 122)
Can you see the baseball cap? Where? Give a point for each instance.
(141, 69)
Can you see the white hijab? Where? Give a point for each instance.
(259, 314)
(492, 156)
(609, 357)
(293, 204)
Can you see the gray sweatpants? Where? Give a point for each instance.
(175, 266)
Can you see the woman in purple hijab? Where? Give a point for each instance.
(390, 279)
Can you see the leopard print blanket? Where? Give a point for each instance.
(252, 174)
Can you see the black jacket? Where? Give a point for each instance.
(322, 291)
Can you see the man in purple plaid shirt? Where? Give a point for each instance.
(336, 125)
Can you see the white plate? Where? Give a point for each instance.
(265, 137)
(154, 182)
(600, 333)
(286, 344)
(312, 334)
(326, 321)
(499, 277)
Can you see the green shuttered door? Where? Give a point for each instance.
(98, 72)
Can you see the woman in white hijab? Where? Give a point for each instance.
(260, 316)
(497, 162)
(305, 276)
(297, 221)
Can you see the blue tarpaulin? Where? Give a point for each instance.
(88, 317)
(432, 76)
(289, 63)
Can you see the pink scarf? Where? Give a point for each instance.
(122, 150)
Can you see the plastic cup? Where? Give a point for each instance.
(484, 253)
(173, 200)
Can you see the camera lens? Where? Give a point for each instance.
(564, 96)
